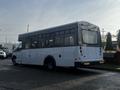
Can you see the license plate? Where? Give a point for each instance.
(86, 63)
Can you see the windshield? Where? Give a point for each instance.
(17, 47)
(90, 37)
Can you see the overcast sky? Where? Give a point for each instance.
(16, 14)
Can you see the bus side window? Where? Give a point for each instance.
(27, 45)
(39, 41)
(51, 42)
(69, 38)
(42, 41)
(46, 43)
(59, 39)
(33, 41)
(56, 39)
(52, 39)
(72, 42)
(34, 44)
(39, 44)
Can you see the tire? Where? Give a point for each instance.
(49, 64)
(14, 61)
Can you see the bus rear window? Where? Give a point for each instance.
(90, 37)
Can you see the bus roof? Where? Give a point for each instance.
(57, 28)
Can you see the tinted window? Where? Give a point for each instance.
(55, 39)
(90, 37)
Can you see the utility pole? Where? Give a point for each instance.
(103, 35)
(5, 34)
(103, 31)
(6, 39)
(28, 28)
(0, 34)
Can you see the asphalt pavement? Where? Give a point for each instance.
(24, 77)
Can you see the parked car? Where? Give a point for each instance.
(2, 54)
(8, 52)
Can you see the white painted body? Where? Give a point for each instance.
(91, 54)
(69, 55)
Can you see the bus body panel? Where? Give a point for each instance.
(64, 56)
(18, 55)
(69, 55)
(91, 54)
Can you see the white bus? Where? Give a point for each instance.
(71, 45)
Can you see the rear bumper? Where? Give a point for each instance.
(83, 64)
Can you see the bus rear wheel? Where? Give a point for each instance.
(49, 64)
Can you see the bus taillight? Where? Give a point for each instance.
(81, 50)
